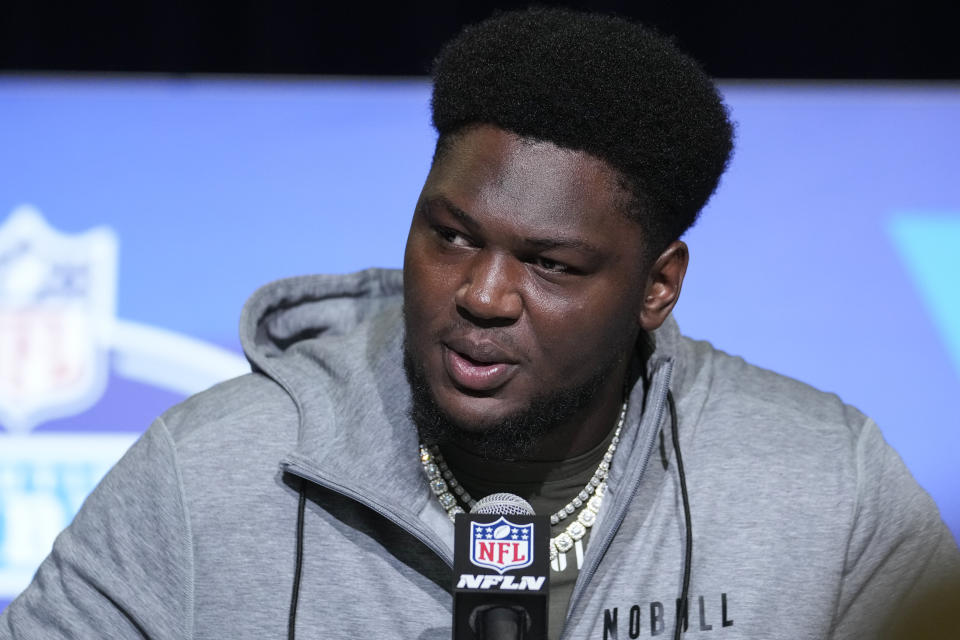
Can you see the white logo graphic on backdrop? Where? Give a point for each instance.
(57, 305)
(60, 340)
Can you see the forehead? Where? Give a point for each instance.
(487, 169)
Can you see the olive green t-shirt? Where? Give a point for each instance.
(548, 486)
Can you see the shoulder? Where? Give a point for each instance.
(773, 450)
(731, 393)
(242, 416)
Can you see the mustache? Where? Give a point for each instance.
(461, 327)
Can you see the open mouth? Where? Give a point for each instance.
(475, 375)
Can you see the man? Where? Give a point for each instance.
(527, 348)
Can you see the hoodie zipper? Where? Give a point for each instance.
(411, 526)
(605, 542)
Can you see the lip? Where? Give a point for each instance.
(477, 366)
(482, 351)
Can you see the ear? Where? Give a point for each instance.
(663, 285)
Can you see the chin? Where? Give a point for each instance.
(479, 414)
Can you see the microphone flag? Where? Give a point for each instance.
(501, 571)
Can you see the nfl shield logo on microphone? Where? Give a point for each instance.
(501, 545)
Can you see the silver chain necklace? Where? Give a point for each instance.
(451, 493)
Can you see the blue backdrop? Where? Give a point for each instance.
(137, 215)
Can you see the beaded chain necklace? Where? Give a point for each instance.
(452, 495)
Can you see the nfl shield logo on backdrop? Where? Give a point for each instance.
(501, 545)
(57, 310)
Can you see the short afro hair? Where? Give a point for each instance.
(599, 84)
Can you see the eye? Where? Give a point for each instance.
(452, 236)
(551, 265)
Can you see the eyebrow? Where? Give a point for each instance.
(541, 244)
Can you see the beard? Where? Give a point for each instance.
(512, 437)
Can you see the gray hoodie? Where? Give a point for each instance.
(805, 523)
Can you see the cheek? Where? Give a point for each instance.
(576, 334)
(427, 289)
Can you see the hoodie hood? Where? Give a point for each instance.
(335, 344)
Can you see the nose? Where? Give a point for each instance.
(490, 292)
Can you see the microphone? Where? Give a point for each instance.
(501, 569)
